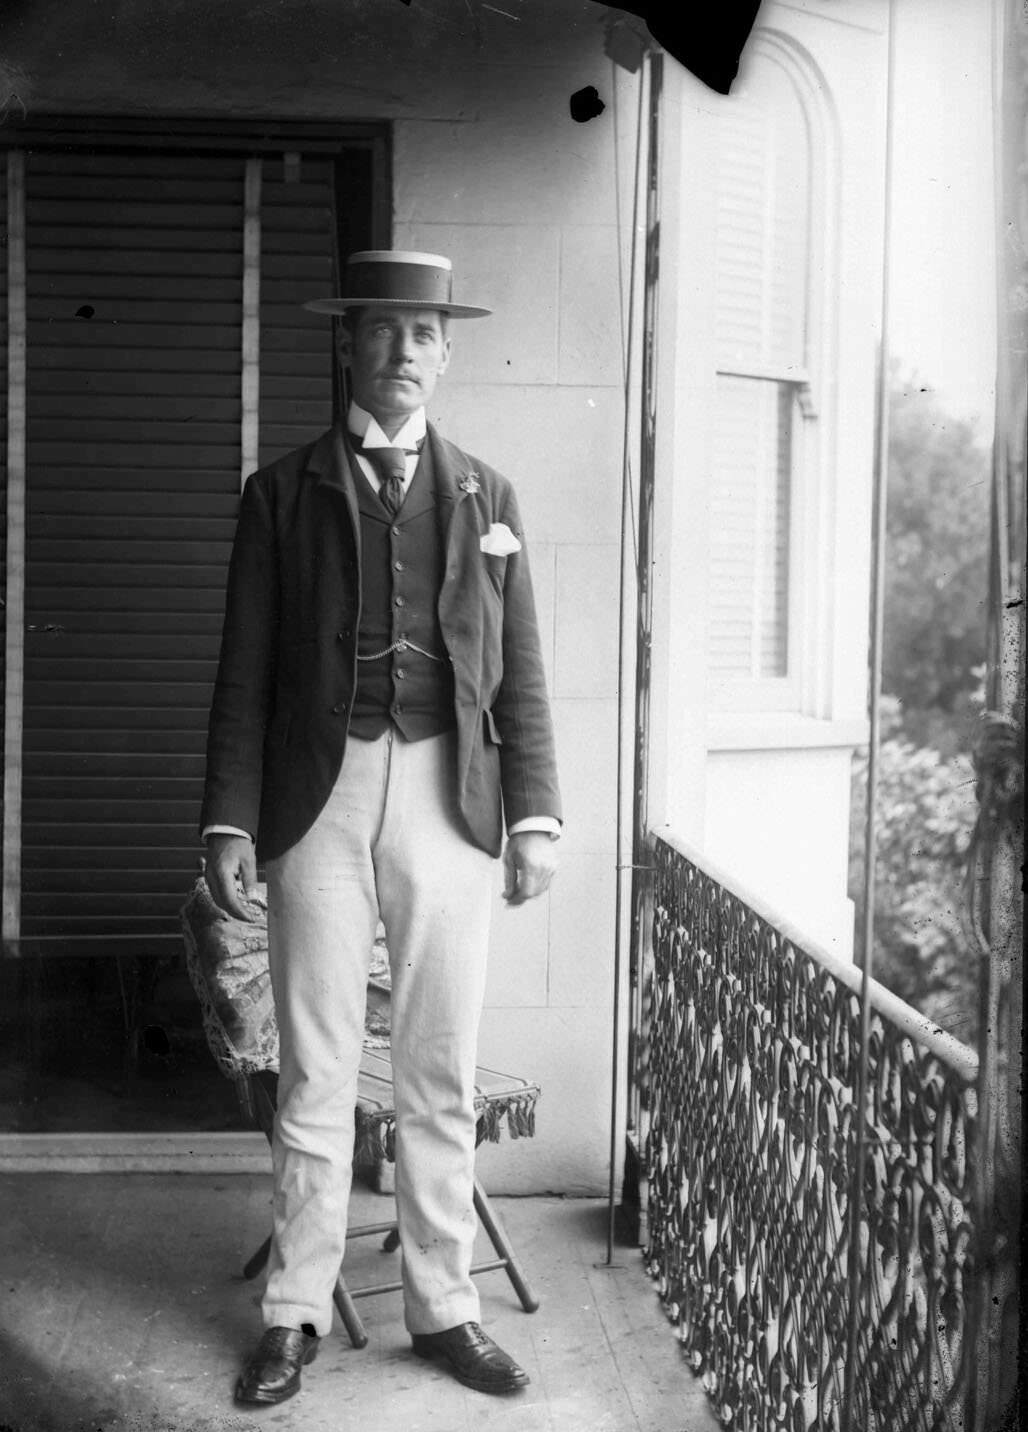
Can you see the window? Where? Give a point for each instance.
(762, 392)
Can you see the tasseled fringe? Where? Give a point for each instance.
(376, 1133)
(519, 1111)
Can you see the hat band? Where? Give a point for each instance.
(407, 283)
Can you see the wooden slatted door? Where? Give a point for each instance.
(296, 264)
(5, 162)
(134, 308)
(135, 361)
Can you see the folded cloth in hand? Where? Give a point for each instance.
(227, 961)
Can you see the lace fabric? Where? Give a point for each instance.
(227, 960)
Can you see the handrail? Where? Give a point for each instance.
(960, 1057)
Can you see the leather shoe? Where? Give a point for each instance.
(273, 1373)
(473, 1358)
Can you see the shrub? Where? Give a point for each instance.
(925, 810)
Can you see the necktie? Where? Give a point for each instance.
(390, 466)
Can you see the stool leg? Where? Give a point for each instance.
(349, 1314)
(258, 1260)
(498, 1238)
(261, 1089)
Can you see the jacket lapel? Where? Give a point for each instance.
(454, 482)
(329, 465)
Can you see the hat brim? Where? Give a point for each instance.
(340, 305)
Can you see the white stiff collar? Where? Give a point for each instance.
(364, 426)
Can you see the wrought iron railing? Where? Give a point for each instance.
(750, 1096)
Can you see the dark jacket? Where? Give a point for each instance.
(286, 676)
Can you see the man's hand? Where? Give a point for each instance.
(529, 864)
(231, 864)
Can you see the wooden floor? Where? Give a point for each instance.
(124, 1310)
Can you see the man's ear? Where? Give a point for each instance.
(344, 344)
(445, 361)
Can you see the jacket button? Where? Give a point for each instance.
(342, 635)
(339, 708)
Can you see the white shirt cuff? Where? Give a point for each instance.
(548, 824)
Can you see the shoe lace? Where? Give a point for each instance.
(477, 1335)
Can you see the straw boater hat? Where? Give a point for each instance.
(400, 279)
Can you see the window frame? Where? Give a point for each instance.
(803, 689)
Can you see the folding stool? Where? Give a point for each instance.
(499, 1098)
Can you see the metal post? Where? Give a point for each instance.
(644, 540)
(880, 502)
(626, 499)
(995, 879)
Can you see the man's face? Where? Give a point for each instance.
(395, 358)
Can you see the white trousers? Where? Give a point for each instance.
(388, 842)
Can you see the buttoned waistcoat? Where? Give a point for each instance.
(287, 670)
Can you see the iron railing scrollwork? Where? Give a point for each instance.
(754, 1051)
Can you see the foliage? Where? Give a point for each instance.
(935, 576)
(925, 810)
(933, 653)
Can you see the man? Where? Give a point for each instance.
(379, 712)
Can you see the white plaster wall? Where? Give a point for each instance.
(489, 168)
(779, 820)
(523, 199)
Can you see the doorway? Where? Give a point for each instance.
(166, 353)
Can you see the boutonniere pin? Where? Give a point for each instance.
(470, 483)
(499, 541)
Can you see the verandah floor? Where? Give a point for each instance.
(124, 1310)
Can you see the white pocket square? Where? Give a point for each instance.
(499, 541)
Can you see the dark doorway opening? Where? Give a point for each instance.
(140, 253)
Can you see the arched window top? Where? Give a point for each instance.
(764, 222)
(773, 259)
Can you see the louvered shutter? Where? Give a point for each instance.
(138, 421)
(134, 287)
(297, 246)
(750, 510)
(762, 279)
(3, 417)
